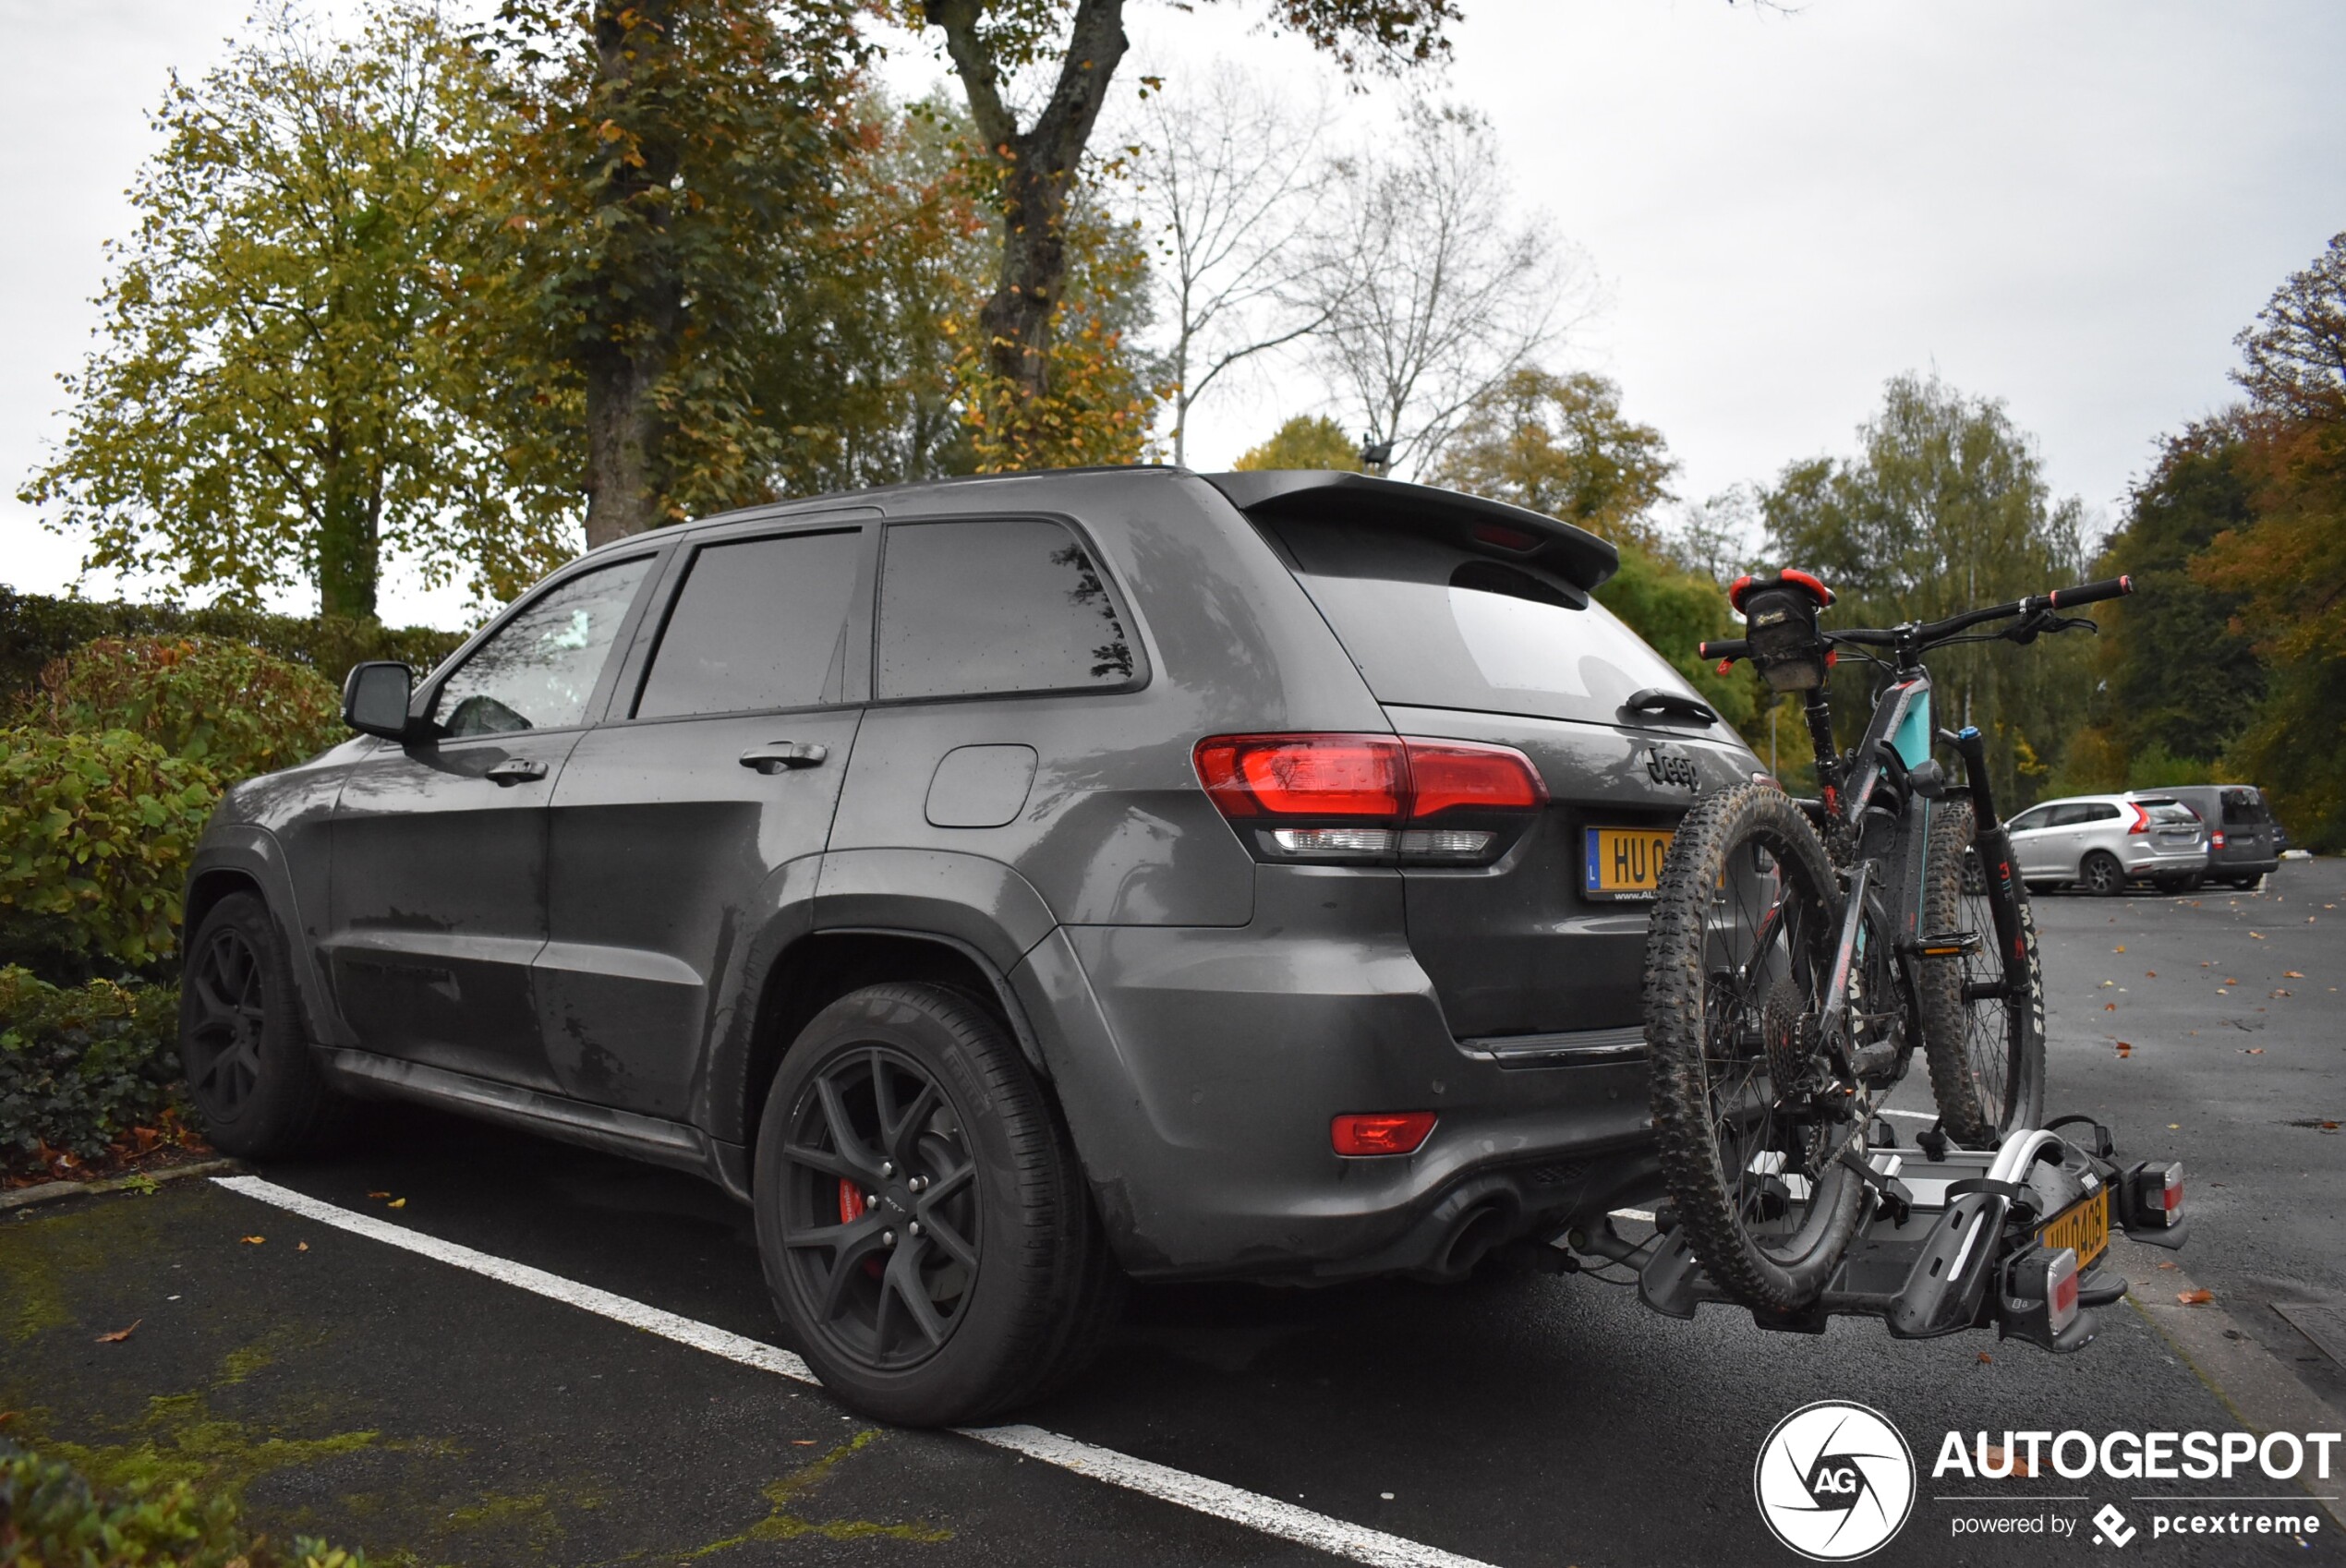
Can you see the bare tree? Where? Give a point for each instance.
(1434, 291)
(1229, 179)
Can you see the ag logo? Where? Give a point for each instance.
(1835, 1481)
(1670, 767)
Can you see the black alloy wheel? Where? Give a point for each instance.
(242, 1045)
(882, 1223)
(925, 1228)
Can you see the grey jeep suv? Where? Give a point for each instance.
(1007, 886)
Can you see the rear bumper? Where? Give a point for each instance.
(2148, 859)
(1199, 1069)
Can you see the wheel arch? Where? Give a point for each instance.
(247, 858)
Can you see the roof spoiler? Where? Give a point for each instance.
(1489, 527)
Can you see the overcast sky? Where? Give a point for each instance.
(2073, 207)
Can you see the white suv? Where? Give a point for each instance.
(2102, 843)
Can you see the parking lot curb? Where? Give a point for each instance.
(50, 1191)
(2248, 1378)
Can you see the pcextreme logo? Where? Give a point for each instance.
(1834, 1481)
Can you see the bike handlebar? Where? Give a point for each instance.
(1939, 630)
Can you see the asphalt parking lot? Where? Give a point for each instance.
(450, 1406)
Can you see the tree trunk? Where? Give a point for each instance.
(636, 320)
(348, 567)
(1037, 168)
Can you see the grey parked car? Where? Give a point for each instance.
(1006, 886)
(2244, 841)
(2102, 843)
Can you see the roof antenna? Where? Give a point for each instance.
(1377, 456)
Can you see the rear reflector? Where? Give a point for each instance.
(2061, 1290)
(1390, 1132)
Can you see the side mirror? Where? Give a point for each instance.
(375, 697)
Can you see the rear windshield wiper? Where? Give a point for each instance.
(1654, 699)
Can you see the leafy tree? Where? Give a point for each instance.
(2178, 682)
(274, 396)
(1038, 166)
(2288, 567)
(1560, 444)
(1308, 440)
(668, 160)
(1944, 507)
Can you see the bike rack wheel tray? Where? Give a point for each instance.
(1956, 1238)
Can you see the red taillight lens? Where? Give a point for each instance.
(2215, 840)
(2060, 1289)
(1350, 775)
(1462, 774)
(1388, 1132)
(2142, 820)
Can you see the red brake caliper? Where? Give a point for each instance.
(850, 1209)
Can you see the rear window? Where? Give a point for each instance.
(2244, 808)
(994, 606)
(2169, 812)
(1430, 626)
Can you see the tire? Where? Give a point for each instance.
(1717, 1105)
(2247, 884)
(242, 1043)
(980, 1278)
(2101, 876)
(2171, 884)
(1987, 1057)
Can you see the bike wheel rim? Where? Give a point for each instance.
(881, 1229)
(1992, 1024)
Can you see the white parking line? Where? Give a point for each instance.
(1197, 1493)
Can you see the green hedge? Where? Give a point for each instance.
(238, 711)
(82, 1067)
(36, 628)
(50, 1518)
(96, 833)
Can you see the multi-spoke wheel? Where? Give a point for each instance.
(924, 1226)
(1984, 1039)
(241, 1041)
(1752, 1116)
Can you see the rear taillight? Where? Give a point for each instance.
(2142, 820)
(2042, 1295)
(2153, 1197)
(1370, 798)
(2216, 840)
(2061, 1290)
(1388, 1132)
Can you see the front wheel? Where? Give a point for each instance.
(242, 1043)
(1749, 1121)
(924, 1226)
(1984, 1043)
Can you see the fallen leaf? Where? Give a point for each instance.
(2125, 1049)
(1986, 1360)
(2291, 974)
(2174, 1126)
(802, 1443)
(2231, 980)
(1997, 1458)
(379, 1195)
(2281, 993)
(120, 1335)
(2170, 1265)
(2259, 935)
(2207, 964)
(2252, 1050)
(301, 1247)
(2150, 975)
(2330, 1126)
(2110, 1006)
(396, 1203)
(2120, 948)
(2199, 1297)
(2221, 991)
(255, 1240)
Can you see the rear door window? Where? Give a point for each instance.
(1431, 625)
(758, 624)
(994, 605)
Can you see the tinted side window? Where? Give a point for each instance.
(2102, 810)
(539, 669)
(994, 605)
(758, 624)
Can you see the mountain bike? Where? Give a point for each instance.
(1799, 950)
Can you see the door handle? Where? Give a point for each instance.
(516, 770)
(775, 756)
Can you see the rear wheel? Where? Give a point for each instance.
(1986, 1048)
(257, 1088)
(2248, 883)
(1749, 1121)
(2102, 875)
(924, 1226)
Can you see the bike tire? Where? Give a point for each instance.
(1987, 1057)
(1701, 1009)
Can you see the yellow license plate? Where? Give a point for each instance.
(1625, 862)
(2083, 1225)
